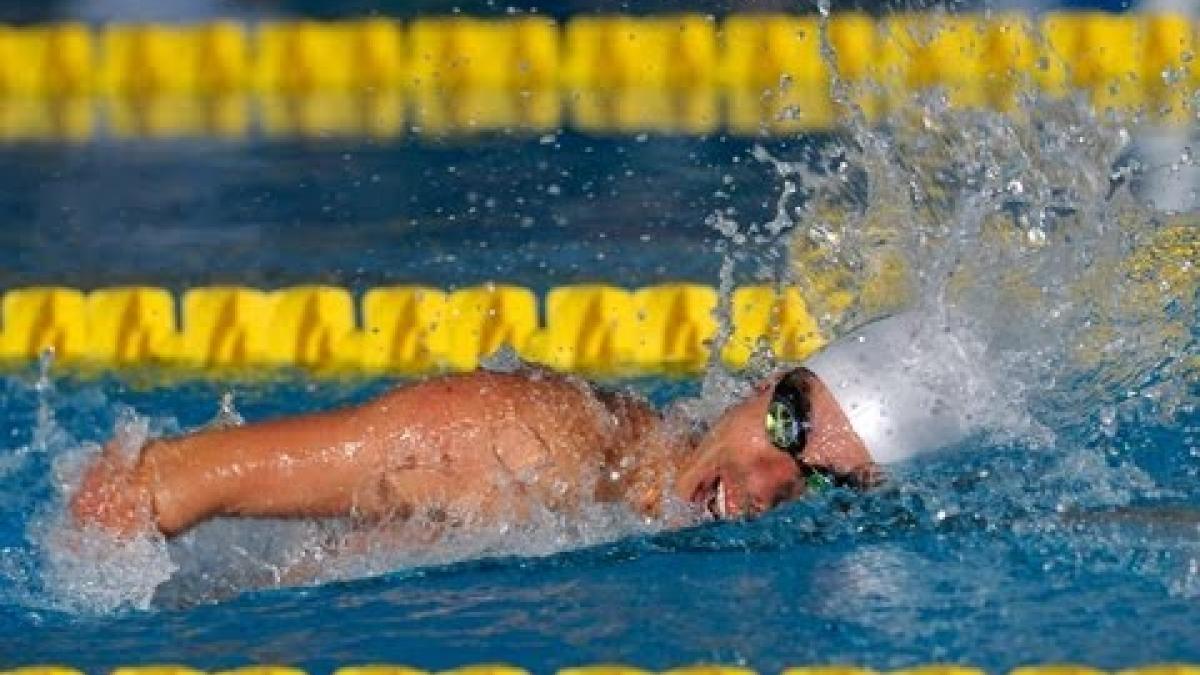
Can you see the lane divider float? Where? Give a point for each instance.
(598, 329)
(683, 73)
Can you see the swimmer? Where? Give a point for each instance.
(486, 447)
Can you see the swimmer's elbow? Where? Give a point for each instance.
(113, 495)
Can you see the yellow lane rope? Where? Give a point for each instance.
(500, 669)
(676, 73)
(596, 329)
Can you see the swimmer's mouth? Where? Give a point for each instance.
(716, 501)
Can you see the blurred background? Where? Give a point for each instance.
(540, 208)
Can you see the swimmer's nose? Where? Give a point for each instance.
(774, 479)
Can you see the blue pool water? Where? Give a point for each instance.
(537, 209)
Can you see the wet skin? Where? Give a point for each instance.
(465, 449)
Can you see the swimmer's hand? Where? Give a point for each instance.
(115, 495)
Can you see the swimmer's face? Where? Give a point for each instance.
(737, 471)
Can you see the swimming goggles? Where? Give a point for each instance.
(789, 419)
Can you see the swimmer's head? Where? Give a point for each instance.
(871, 398)
(787, 437)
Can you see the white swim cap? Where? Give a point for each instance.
(894, 379)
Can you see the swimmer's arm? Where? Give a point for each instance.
(308, 466)
(316, 465)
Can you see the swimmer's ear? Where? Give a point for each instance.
(867, 476)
